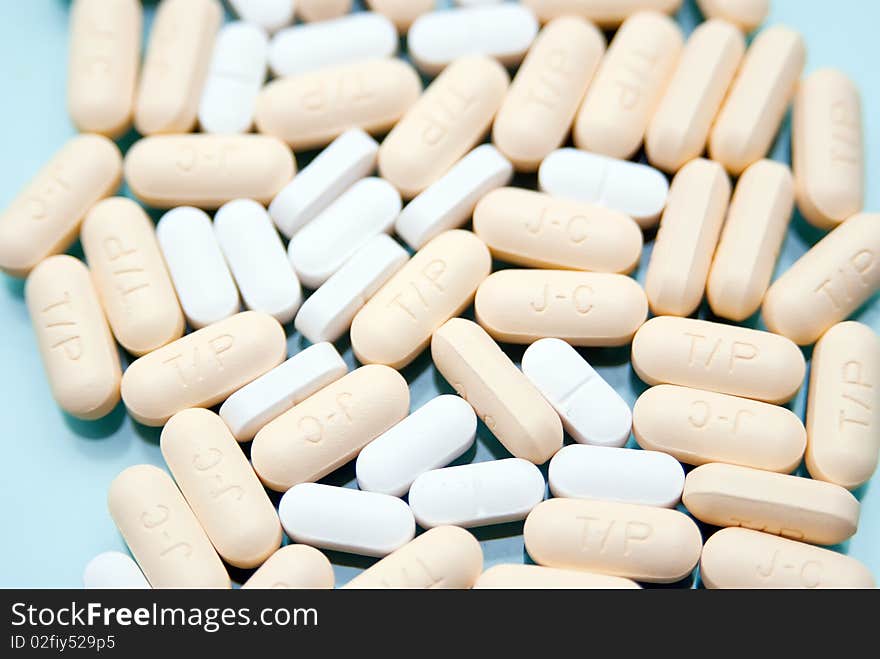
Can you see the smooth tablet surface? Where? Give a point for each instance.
(601, 12)
(113, 569)
(401, 12)
(535, 576)
(322, 10)
(745, 14)
(271, 15)
(293, 567)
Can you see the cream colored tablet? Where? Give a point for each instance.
(723, 358)
(510, 406)
(544, 578)
(638, 542)
(202, 368)
(438, 283)
(78, 351)
(603, 13)
(828, 283)
(790, 506)
(44, 218)
(745, 14)
(293, 567)
(330, 427)
(757, 219)
(452, 115)
(758, 99)
(402, 12)
(688, 234)
(162, 532)
(322, 10)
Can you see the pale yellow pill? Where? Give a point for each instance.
(757, 219)
(745, 14)
(44, 218)
(438, 283)
(686, 240)
(843, 432)
(452, 115)
(322, 10)
(828, 283)
(535, 576)
(402, 12)
(78, 351)
(330, 427)
(604, 13)
(293, 567)
(723, 358)
(203, 368)
(507, 402)
(643, 543)
(162, 532)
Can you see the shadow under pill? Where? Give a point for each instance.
(98, 429)
(15, 286)
(350, 560)
(147, 433)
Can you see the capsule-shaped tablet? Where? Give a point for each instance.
(758, 99)
(220, 487)
(828, 283)
(79, 355)
(293, 567)
(271, 15)
(113, 569)
(605, 14)
(438, 283)
(643, 543)
(548, 578)
(330, 427)
(401, 12)
(745, 14)
(202, 368)
(162, 532)
(321, 10)
(723, 358)
(751, 240)
(689, 231)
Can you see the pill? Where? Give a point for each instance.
(592, 412)
(271, 15)
(634, 189)
(130, 275)
(843, 438)
(322, 10)
(257, 259)
(742, 558)
(828, 283)
(696, 427)
(828, 148)
(433, 436)
(680, 127)
(643, 543)
(628, 86)
(449, 202)
(510, 406)
(688, 234)
(438, 283)
(207, 170)
(270, 395)
(722, 358)
(445, 557)
(328, 313)
(330, 427)
(162, 532)
(113, 569)
(401, 12)
(604, 14)
(543, 578)
(44, 218)
(220, 487)
(758, 99)
(176, 65)
(583, 308)
(75, 343)
(745, 14)
(451, 116)
(202, 368)
(751, 240)
(296, 567)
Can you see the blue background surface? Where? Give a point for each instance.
(56, 470)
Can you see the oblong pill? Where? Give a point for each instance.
(401, 12)
(639, 542)
(113, 569)
(438, 283)
(271, 15)
(202, 368)
(322, 10)
(220, 487)
(76, 346)
(537, 577)
(723, 358)
(330, 427)
(293, 567)
(745, 14)
(604, 14)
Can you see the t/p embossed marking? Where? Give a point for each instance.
(198, 367)
(155, 520)
(855, 398)
(61, 318)
(128, 272)
(637, 71)
(414, 298)
(342, 91)
(554, 79)
(704, 351)
(418, 575)
(447, 111)
(846, 145)
(849, 281)
(615, 536)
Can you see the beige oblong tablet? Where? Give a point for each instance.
(203, 368)
(293, 567)
(686, 240)
(220, 487)
(78, 351)
(723, 358)
(330, 427)
(161, 531)
(843, 433)
(643, 543)
(401, 12)
(759, 214)
(790, 506)
(321, 10)
(604, 13)
(745, 14)
(535, 576)
(439, 282)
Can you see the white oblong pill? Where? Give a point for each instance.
(271, 15)
(431, 437)
(113, 569)
(198, 270)
(329, 312)
(624, 475)
(592, 411)
(347, 520)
